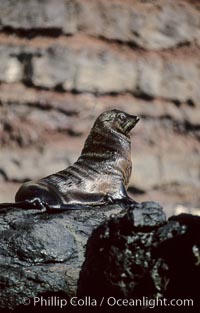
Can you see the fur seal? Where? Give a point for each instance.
(99, 176)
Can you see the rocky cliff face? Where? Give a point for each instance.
(64, 62)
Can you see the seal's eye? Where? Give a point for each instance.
(122, 117)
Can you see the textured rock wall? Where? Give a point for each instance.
(64, 62)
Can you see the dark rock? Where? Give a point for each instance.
(118, 254)
(42, 254)
(146, 215)
(135, 254)
(138, 254)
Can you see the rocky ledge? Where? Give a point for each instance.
(132, 253)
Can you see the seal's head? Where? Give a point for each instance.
(117, 120)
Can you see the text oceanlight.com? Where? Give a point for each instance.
(88, 301)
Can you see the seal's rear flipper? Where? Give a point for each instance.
(23, 205)
(37, 204)
(4, 207)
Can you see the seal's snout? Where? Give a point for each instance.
(133, 120)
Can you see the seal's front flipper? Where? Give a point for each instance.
(126, 202)
(129, 202)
